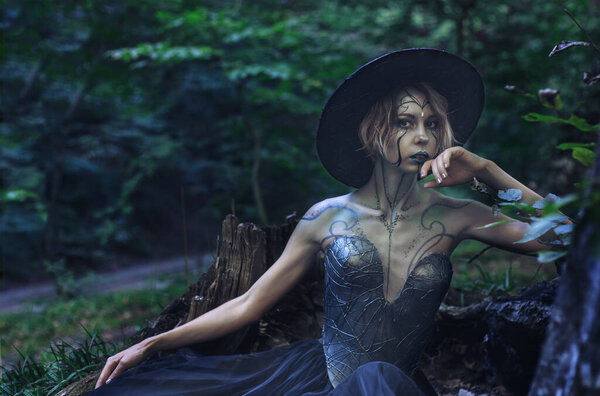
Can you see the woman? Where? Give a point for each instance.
(386, 245)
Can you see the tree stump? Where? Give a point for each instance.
(244, 253)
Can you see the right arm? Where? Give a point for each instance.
(296, 258)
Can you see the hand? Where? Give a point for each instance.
(120, 362)
(453, 166)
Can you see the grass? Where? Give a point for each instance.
(30, 377)
(495, 271)
(85, 331)
(98, 320)
(114, 316)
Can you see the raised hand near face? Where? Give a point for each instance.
(453, 166)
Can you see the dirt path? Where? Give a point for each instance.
(20, 299)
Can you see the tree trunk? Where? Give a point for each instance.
(244, 252)
(570, 362)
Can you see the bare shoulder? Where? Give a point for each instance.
(463, 213)
(322, 216)
(327, 209)
(444, 205)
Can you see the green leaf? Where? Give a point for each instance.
(548, 256)
(511, 195)
(161, 52)
(583, 155)
(567, 146)
(427, 178)
(18, 195)
(535, 117)
(582, 124)
(573, 120)
(584, 184)
(496, 223)
(513, 207)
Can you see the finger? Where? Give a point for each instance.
(446, 158)
(436, 172)
(108, 368)
(439, 162)
(425, 168)
(120, 368)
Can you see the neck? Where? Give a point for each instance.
(388, 188)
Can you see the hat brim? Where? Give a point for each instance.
(338, 144)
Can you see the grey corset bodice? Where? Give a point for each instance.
(360, 325)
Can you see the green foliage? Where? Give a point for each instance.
(427, 178)
(161, 53)
(69, 364)
(111, 107)
(492, 284)
(583, 155)
(566, 146)
(544, 215)
(577, 122)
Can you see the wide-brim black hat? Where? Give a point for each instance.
(338, 144)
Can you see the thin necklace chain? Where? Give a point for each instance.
(394, 217)
(389, 225)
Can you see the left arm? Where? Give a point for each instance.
(475, 216)
(457, 165)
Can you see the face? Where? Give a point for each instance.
(415, 128)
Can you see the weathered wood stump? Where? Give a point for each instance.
(244, 253)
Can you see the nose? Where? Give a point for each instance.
(421, 137)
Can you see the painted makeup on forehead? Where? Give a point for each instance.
(411, 98)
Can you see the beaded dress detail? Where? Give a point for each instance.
(361, 326)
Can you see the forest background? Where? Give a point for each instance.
(123, 119)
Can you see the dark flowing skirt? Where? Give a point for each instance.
(296, 369)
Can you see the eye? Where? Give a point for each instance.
(404, 123)
(431, 124)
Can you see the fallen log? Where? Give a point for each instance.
(492, 346)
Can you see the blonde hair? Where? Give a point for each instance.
(376, 127)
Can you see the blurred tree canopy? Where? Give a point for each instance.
(114, 110)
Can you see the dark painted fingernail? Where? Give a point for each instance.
(438, 180)
(443, 175)
(108, 380)
(445, 165)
